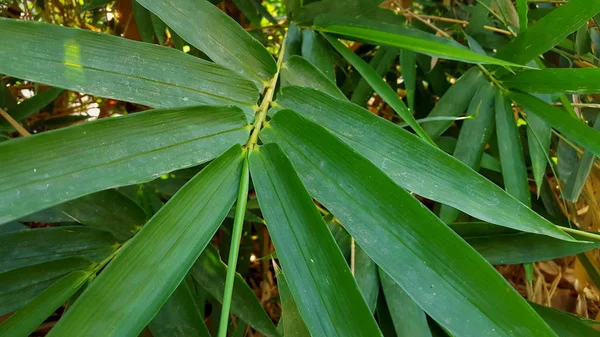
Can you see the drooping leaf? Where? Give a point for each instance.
(409, 319)
(408, 62)
(30, 106)
(379, 85)
(560, 120)
(180, 315)
(514, 171)
(216, 34)
(250, 11)
(143, 22)
(574, 185)
(549, 31)
(415, 165)
(107, 209)
(114, 67)
(381, 62)
(351, 8)
(473, 137)
(158, 141)
(539, 135)
(19, 286)
(522, 9)
(405, 38)
(209, 271)
(327, 296)
(32, 246)
(136, 283)
(159, 27)
(297, 71)
(448, 144)
(398, 233)
(454, 102)
(28, 318)
(555, 80)
(505, 246)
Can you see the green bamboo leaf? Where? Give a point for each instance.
(549, 31)
(574, 185)
(473, 137)
(137, 72)
(367, 277)
(539, 135)
(19, 286)
(30, 106)
(180, 315)
(504, 246)
(413, 164)
(27, 319)
(297, 71)
(479, 17)
(136, 283)
(454, 102)
(566, 324)
(158, 141)
(143, 22)
(408, 62)
(293, 325)
(327, 296)
(405, 38)
(556, 80)
(560, 120)
(382, 63)
(316, 50)
(209, 271)
(250, 11)
(401, 238)
(159, 27)
(351, 8)
(380, 86)
(583, 41)
(293, 41)
(522, 8)
(216, 34)
(514, 171)
(409, 319)
(32, 246)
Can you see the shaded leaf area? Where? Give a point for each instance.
(549, 81)
(158, 141)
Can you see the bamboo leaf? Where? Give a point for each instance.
(297, 71)
(409, 319)
(549, 31)
(136, 284)
(143, 22)
(408, 62)
(379, 85)
(27, 319)
(400, 238)
(566, 324)
(316, 50)
(522, 8)
(382, 63)
(179, 316)
(415, 165)
(574, 185)
(405, 38)
(19, 286)
(539, 135)
(137, 72)
(454, 102)
(557, 80)
(367, 277)
(158, 141)
(293, 325)
(560, 120)
(32, 246)
(209, 29)
(448, 144)
(514, 171)
(209, 271)
(327, 296)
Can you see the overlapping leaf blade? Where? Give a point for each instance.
(297, 71)
(327, 296)
(149, 268)
(113, 67)
(397, 232)
(115, 151)
(558, 80)
(415, 165)
(216, 34)
(560, 120)
(405, 38)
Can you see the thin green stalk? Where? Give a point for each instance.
(236, 237)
